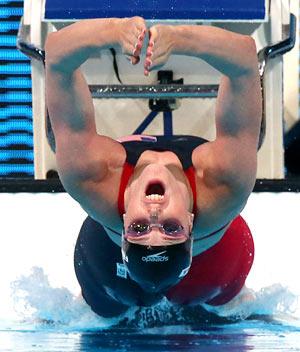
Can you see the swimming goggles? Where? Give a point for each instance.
(143, 227)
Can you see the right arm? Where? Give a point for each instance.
(83, 155)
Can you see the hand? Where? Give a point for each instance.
(161, 43)
(131, 36)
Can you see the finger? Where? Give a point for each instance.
(148, 63)
(135, 60)
(138, 45)
(154, 63)
(150, 49)
(137, 49)
(143, 30)
(131, 49)
(147, 66)
(152, 36)
(142, 33)
(140, 36)
(149, 53)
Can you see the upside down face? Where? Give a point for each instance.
(158, 197)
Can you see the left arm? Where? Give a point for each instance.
(231, 158)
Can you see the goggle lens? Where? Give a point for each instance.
(139, 228)
(172, 227)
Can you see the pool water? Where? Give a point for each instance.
(254, 335)
(54, 320)
(41, 308)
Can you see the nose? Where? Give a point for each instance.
(154, 212)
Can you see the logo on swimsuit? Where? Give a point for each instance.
(156, 257)
(184, 272)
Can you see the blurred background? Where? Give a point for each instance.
(16, 134)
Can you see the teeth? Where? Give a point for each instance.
(155, 197)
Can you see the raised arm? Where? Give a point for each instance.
(81, 153)
(239, 103)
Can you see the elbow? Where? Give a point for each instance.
(250, 55)
(246, 65)
(249, 43)
(53, 60)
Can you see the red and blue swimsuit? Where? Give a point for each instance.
(215, 277)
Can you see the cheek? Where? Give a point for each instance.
(134, 193)
(131, 200)
(178, 206)
(177, 209)
(181, 199)
(133, 212)
(134, 208)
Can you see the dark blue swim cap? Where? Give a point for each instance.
(157, 268)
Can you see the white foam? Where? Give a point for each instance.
(39, 304)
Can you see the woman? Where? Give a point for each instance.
(172, 204)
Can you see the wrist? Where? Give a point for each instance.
(106, 33)
(185, 41)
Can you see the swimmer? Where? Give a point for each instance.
(163, 212)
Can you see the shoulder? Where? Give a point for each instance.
(91, 160)
(225, 177)
(93, 176)
(93, 179)
(228, 162)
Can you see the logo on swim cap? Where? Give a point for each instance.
(124, 256)
(156, 258)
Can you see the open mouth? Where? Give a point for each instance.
(155, 191)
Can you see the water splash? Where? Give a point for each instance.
(41, 306)
(274, 301)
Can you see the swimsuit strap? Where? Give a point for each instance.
(190, 174)
(126, 174)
